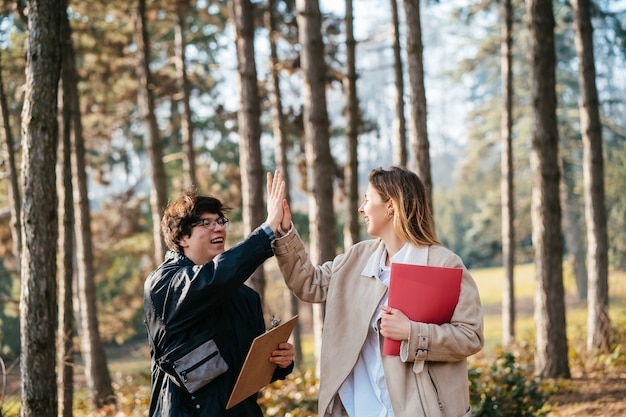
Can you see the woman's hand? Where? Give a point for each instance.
(283, 356)
(394, 324)
(285, 224)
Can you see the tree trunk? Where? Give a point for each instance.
(13, 191)
(281, 141)
(158, 191)
(281, 146)
(574, 242)
(319, 162)
(186, 125)
(551, 358)
(351, 170)
(506, 181)
(96, 370)
(399, 121)
(419, 132)
(598, 324)
(38, 311)
(248, 116)
(65, 332)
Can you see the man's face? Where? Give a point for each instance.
(206, 241)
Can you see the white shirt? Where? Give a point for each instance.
(364, 392)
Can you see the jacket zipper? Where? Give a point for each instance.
(432, 380)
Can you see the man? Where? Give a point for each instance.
(198, 295)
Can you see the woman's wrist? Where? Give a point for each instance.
(284, 233)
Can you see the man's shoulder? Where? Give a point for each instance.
(173, 263)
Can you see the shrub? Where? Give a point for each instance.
(596, 361)
(507, 389)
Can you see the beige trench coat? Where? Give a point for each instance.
(430, 377)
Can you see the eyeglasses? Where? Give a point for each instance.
(211, 224)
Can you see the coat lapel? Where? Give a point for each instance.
(414, 256)
(373, 263)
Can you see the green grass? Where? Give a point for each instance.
(490, 284)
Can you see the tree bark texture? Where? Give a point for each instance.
(351, 170)
(320, 165)
(551, 359)
(38, 313)
(15, 202)
(92, 350)
(248, 117)
(319, 162)
(417, 115)
(574, 241)
(186, 123)
(154, 147)
(281, 147)
(399, 122)
(598, 323)
(506, 180)
(281, 140)
(65, 332)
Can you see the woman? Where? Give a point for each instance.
(429, 378)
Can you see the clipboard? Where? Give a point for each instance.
(257, 370)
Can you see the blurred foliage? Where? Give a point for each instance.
(615, 183)
(296, 396)
(123, 244)
(9, 313)
(133, 398)
(507, 387)
(502, 384)
(596, 362)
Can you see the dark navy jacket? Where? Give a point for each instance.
(183, 301)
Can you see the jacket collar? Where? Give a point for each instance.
(414, 256)
(175, 257)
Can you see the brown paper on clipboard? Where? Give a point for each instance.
(257, 370)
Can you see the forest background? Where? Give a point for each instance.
(131, 99)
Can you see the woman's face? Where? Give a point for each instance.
(375, 213)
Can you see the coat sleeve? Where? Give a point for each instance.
(308, 282)
(454, 341)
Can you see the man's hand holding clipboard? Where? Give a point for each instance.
(257, 370)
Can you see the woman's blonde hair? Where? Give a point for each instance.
(413, 220)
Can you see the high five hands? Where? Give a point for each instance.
(279, 219)
(278, 213)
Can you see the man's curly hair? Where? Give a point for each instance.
(180, 215)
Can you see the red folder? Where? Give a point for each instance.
(427, 294)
